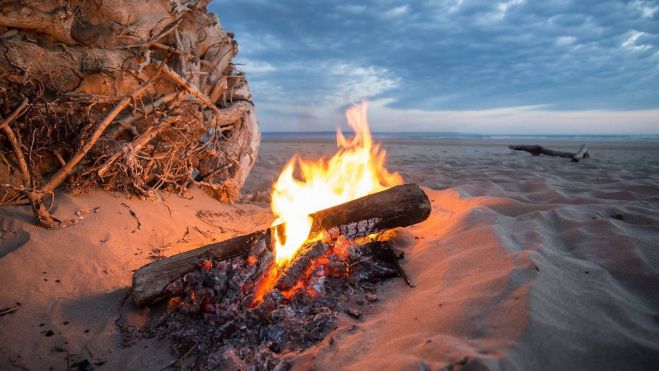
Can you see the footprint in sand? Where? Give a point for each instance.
(12, 236)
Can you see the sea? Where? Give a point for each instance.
(464, 136)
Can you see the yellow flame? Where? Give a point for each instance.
(356, 170)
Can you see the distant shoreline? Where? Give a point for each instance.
(275, 136)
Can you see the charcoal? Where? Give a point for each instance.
(353, 312)
(275, 332)
(371, 298)
(214, 312)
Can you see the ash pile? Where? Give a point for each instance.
(244, 313)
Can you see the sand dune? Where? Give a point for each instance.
(525, 263)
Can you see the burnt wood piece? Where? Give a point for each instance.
(399, 206)
(537, 150)
(390, 255)
(300, 264)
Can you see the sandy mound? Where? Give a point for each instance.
(525, 263)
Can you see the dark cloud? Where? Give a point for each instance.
(449, 54)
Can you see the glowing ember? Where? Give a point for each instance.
(356, 170)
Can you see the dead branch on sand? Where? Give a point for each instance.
(537, 150)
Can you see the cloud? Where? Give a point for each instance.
(502, 8)
(396, 12)
(565, 40)
(352, 8)
(306, 60)
(357, 83)
(647, 10)
(256, 66)
(513, 120)
(631, 42)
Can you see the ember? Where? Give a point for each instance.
(232, 330)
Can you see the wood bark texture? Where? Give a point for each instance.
(123, 95)
(399, 206)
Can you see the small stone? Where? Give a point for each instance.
(354, 313)
(371, 298)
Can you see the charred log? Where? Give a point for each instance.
(398, 206)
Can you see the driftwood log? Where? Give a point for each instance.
(399, 206)
(537, 150)
(122, 95)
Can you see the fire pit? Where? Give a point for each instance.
(250, 300)
(222, 313)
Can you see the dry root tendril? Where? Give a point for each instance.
(132, 108)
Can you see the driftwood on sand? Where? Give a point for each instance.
(398, 206)
(537, 150)
(122, 95)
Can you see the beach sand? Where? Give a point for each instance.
(526, 263)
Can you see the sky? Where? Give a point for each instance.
(469, 66)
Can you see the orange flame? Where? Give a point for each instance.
(356, 170)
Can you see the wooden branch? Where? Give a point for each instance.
(149, 108)
(398, 206)
(190, 88)
(16, 146)
(537, 150)
(219, 88)
(581, 154)
(62, 173)
(38, 207)
(136, 145)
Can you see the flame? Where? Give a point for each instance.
(356, 170)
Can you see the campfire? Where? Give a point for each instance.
(356, 170)
(270, 292)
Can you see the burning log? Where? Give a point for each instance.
(399, 206)
(537, 150)
(288, 278)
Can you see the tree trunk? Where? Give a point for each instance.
(123, 95)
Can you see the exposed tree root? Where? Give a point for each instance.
(120, 95)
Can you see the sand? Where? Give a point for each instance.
(525, 263)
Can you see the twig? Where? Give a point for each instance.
(15, 114)
(389, 253)
(190, 88)
(61, 175)
(39, 209)
(126, 122)
(201, 232)
(136, 145)
(8, 310)
(134, 215)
